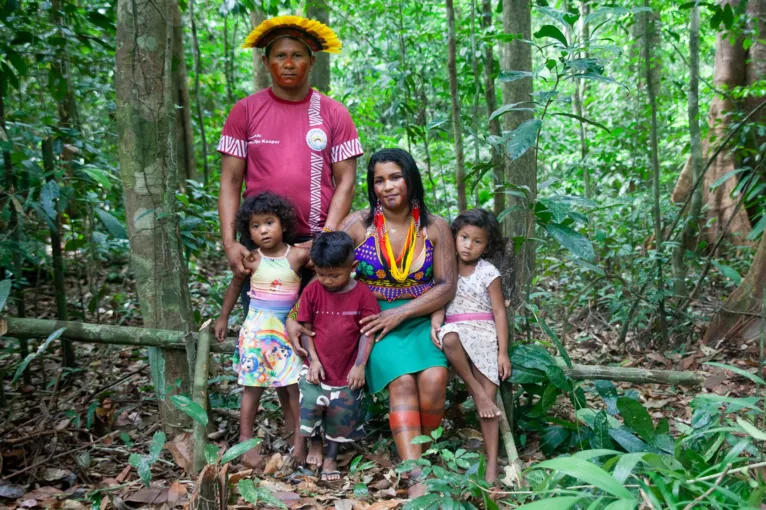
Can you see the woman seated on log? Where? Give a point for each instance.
(407, 257)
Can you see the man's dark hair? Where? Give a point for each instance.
(332, 249)
(481, 218)
(268, 203)
(403, 160)
(267, 49)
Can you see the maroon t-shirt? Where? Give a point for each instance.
(335, 317)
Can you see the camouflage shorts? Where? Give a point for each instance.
(337, 410)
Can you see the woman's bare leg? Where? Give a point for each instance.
(457, 356)
(251, 399)
(404, 415)
(490, 428)
(432, 391)
(288, 409)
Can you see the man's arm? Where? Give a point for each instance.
(232, 176)
(344, 174)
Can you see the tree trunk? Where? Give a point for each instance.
(187, 167)
(728, 72)
(517, 19)
(198, 93)
(145, 128)
(69, 118)
(457, 125)
(260, 73)
(476, 100)
(490, 95)
(581, 88)
(320, 75)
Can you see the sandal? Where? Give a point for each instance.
(325, 476)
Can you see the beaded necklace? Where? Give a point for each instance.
(399, 273)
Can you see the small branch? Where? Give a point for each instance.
(730, 471)
(708, 492)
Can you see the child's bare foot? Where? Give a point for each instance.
(330, 471)
(299, 453)
(316, 453)
(490, 473)
(484, 405)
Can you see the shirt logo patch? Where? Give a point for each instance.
(316, 139)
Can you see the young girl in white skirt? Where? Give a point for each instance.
(474, 336)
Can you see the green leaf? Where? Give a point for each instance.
(421, 440)
(573, 241)
(552, 32)
(5, 291)
(728, 272)
(190, 408)
(143, 466)
(636, 417)
(156, 446)
(240, 449)
(728, 175)
(26, 361)
(508, 76)
(16, 60)
(630, 442)
(737, 403)
(436, 434)
(562, 503)
(523, 138)
(513, 107)
(360, 490)
(601, 437)
(731, 368)
(49, 193)
(436, 123)
(622, 504)
(583, 119)
(211, 454)
(727, 16)
(751, 429)
(589, 473)
(626, 465)
(259, 495)
(609, 393)
(112, 224)
(552, 334)
(531, 356)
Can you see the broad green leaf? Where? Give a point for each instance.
(558, 377)
(524, 375)
(49, 193)
(436, 123)
(598, 77)
(583, 119)
(156, 446)
(561, 503)
(211, 454)
(240, 449)
(589, 473)
(360, 490)
(552, 334)
(728, 175)
(609, 393)
(436, 434)
(513, 107)
(258, 495)
(532, 356)
(552, 32)
(573, 241)
(16, 60)
(5, 291)
(630, 442)
(758, 228)
(143, 466)
(99, 176)
(731, 368)
(190, 408)
(26, 361)
(553, 438)
(601, 437)
(626, 465)
(728, 272)
(622, 504)
(523, 138)
(421, 440)
(737, 403)
(751, 429)
(112, 224)
(507, 76)
(636, 417)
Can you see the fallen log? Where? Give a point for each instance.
(146, 337)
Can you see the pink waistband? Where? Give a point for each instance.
(460, 317)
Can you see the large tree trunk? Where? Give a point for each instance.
(260, 73)
(736, 320)
(457, 125)
(517, 19)
(187, 168)
(320, 75)
(728, 72)
(490, 95)
(146, 131)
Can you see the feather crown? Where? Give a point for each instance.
(316, 35)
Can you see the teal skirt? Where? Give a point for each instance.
(406, 350)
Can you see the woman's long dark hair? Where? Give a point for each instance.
(403, 160)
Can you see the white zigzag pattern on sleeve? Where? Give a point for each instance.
(233, 146)
(347, 150)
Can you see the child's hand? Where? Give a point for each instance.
(316, 373)
(504, 366)
(356, 377)
(435, 328)
(220, 328)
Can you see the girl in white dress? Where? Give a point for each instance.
(475, 334)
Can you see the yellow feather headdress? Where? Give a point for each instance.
(316, 35)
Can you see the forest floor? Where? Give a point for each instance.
(67, 437)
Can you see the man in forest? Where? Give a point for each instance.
(289, 138)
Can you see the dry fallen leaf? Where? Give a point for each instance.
(43, 493)
(150, 496)
(176, 493)
(55, 474)
(387, 504)
(182, 449)
(124, 474)
(273, 464)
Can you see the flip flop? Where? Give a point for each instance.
(325, 476)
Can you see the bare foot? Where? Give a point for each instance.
(253, 458)
(300, 450)
(484, 405)
(490, 473)
(316, 453)
(330, 471)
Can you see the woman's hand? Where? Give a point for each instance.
(435, 328)
(294, 331)
(236, 253)
(383, 323)
(504, 366)
(220, 327)
(316, 373)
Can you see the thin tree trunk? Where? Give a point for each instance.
(476, 99)
(652, 82)
(145, 128)
(320, 75)
(261, 75)
(403, 74)
(187, 167)
(491, 98)
(198, 93)
(15, 226)
(457, 125)
(697, 161)
(58, 260)
(581, 87)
